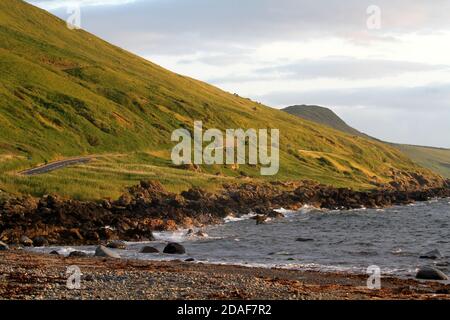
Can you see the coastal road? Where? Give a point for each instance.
(55, 166)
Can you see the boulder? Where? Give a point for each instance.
(25, 241)
(174, 248)
(304, 240)
(189, 260)
(433, 255)
(54, 252)
(3, 246)
(40, 242)
(148, 249)
(117, 245)
(430, 273)
(103, 251)
(78, 254)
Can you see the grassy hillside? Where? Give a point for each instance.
(436, 159)
(67, 93)
(322, 115)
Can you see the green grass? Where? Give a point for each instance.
(66, 93)
(436, 159)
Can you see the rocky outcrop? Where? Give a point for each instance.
(148, 207)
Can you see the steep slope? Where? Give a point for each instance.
(322, 115)
(68, 93)
(436, 159)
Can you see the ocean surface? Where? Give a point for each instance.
(348, 240)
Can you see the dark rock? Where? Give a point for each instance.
(430, 273)
(275, 215)
(54, 252)
(148, 249)
(174, 248)
(92, 236)
(3, 246)
(117, 245)
(190, 260)
(304, 240)
(103, 251)
(260, 219)
(78, 254)
(106, 204)
(433, 255)
(40, 242)
(25, 241)
(107, 234)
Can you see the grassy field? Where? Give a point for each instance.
(66, 93)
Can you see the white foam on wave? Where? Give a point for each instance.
(172, 236)
(308, 208)
(284, 211)
(64, 251)
(232, 218)
(308, 267)
(181, 235)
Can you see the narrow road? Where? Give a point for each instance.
(55, 166)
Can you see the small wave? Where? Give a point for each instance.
(182, 235)
(232, 218)
(172, 236)
(280, 253)
(308, 208)
(63, 251)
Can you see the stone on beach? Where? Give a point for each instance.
(430, 273)
(148, 249)
(78, 254)
(40, 242)
(26, 242)
(3, 246)
(103, 251)
(174, 248)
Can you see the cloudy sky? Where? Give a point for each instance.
(388, 77)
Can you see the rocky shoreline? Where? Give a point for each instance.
(148, 207)
(29, 276)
